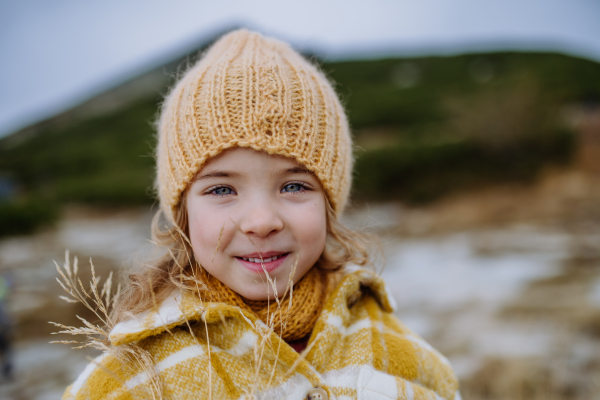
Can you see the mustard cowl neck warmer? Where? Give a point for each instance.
(290, 321)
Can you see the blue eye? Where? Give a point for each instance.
(293, 188)
(222, 191)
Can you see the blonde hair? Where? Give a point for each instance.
(178, 269)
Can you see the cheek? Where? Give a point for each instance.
(205, 228)
(198, 231)
(310, 225)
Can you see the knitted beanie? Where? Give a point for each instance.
(254, 92)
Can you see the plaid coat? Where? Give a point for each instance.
(358, 350)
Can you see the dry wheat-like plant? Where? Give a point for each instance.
(101, 301)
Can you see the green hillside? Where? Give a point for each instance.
(423, 127)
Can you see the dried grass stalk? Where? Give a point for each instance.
(101, 300)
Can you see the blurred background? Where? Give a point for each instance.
(477, 144)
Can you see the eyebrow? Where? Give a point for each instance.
(230, 174)
(296, 170)
(217, 174)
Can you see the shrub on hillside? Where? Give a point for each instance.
(22, 217)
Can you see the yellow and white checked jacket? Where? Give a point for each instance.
(358, 350)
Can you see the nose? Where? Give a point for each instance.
(261, 218)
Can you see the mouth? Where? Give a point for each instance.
(270, 261)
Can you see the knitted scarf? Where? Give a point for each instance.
(291, 322)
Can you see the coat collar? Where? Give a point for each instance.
(181, 308)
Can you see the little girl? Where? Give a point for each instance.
(262, 294)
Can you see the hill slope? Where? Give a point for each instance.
(424, 127)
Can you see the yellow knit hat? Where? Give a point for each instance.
(256, 92)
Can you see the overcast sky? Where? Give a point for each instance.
(56, 53)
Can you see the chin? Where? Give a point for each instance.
(258, 296)
(256, 292)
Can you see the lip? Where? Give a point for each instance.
(266, 254)
(268, 266)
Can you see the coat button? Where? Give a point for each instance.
(317, 394)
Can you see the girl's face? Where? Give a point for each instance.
(245, 204)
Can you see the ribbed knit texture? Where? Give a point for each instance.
(255, 92)
(291, 322)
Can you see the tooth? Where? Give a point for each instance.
(269, 259)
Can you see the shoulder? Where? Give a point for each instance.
(354, 282)
(135, 370)
(359, 317)
(162, 347)
(97, 380)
